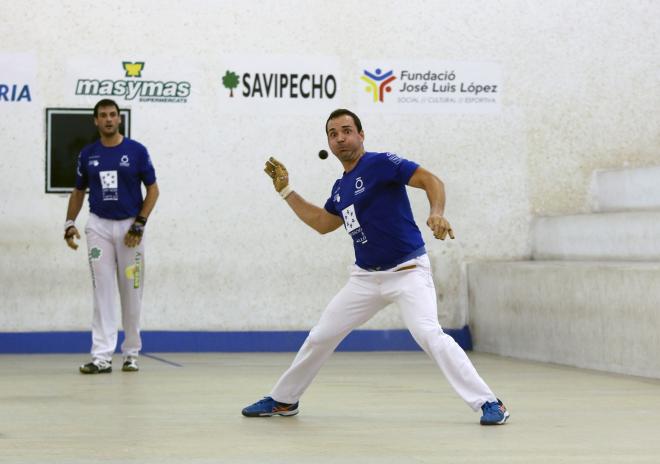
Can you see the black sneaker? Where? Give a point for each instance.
(130, 365)
(96, 367)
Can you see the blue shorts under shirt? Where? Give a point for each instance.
(375, 208)
(114, 176)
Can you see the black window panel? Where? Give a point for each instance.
(68, 130)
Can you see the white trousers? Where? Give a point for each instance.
(364, 295)
(113, 265)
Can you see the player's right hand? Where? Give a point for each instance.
(277, 172)
(69, 235)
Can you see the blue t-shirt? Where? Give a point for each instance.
(374, 205)
(114, 176)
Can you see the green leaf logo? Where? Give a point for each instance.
(230, 81)
(95, 253)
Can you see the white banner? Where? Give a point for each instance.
(428, 86)
(129, 80)
(271, 84)
(18, 79)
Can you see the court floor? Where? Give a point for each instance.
(363, 408)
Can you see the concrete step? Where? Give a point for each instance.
(626, 189)
(603, 236)
(595, 315)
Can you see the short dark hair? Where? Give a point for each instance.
(344, 112)
(105, 102)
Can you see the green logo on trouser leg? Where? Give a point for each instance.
(134, 271)
(138, 270)
(95, 253)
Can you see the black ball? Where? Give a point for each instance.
(323, 154)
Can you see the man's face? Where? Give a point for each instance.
(344, 139)
(107, 120)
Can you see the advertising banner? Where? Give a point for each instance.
(271, 84)
(428, 86)
(18, 79)
(129, 81)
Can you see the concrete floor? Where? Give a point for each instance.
(362, 408)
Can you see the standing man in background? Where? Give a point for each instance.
(114, 169)
(391, 265)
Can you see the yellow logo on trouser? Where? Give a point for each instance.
(134, 270)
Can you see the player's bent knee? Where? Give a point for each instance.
(321, 336)
(432, 338)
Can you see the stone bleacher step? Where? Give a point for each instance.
(597, 315)
(631, 235)
(626, 189)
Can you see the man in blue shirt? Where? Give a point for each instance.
(391, 265)
(114, 169)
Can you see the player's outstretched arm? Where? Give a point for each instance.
(315, 217)
(435, 191)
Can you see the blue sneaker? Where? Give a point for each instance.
(267, 407)
(495, 413)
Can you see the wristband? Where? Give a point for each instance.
(286, 191)
(141, 220)
(69, 223)
(136, 229)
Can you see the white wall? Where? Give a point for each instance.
(580, 84)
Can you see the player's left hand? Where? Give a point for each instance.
(440, 226)
(134, 235)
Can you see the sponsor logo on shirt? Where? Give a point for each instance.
(124, 161)
(393, 158)
(359, 186)
(109, 185)
(336, 197)
(352, 225)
